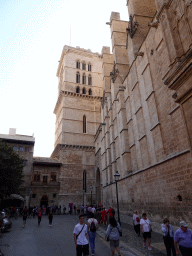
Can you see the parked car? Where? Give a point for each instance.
(5, 222)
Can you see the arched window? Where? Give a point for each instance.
(78, 78)
(85, 181)
(89, 80)
(84, 79)
(77, 89)
(78, 64)
(84, 124)
(83, 65)
(89, 67)
(90, 92)
(84, 91)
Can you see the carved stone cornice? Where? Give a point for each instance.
(176, 81)
(73, 94)
(61, 147)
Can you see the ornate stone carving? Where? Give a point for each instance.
(132, 27)
(114, 73)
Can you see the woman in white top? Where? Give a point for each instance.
(136, 222)
(146, 230)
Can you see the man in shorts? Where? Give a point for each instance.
(146, 230)
(80, 237)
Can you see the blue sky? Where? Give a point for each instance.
(32, 35)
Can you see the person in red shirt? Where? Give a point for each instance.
(39, 214)
(111, 212)
(104, 216)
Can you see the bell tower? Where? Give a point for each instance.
(80, 89)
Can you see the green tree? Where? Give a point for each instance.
(11, 167)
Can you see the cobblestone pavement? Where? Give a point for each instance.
(132, 245)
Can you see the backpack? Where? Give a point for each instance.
(137, 219)
(92, 227)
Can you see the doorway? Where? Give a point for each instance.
(44, 201)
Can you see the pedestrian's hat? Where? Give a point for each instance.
(183, 224)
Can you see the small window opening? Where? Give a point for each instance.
(84, 91)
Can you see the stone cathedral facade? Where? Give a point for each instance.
(146, 114)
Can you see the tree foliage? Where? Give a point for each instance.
(11, 167)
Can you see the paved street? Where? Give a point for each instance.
(44, 240)
(58, 239)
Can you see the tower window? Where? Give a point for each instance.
(77, 64)
(77, 89)
(14, 148)
(90, 92)
(37, 176)
(84, 79)
(53, 176)
(83, 66)
(89, 80)
(89, 67)
(78, 78)
(84, 124)
(20, 148)
(84, 91)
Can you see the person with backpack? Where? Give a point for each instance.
(92, 226)
(136, 222)
(80, 237)
(114, 232)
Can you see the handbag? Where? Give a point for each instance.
(107, 238)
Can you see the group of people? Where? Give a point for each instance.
(84, 232)
(181, 238)
(39, 215)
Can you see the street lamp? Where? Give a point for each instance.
(91, 188)
(30, 193)
(83, 199)
(117, 176)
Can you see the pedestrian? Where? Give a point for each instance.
(39, 214)
(25, 213)
(74, 207)
(113, 232)
(111, 212)
(168, 235)
(92, 226)
(136, 222)
(80, 237)
(50, 217)
(146, 230)
(64, 209)
(104, 216)
(183, 237)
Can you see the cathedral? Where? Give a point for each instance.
(127, 112)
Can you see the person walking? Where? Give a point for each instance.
(136, 222)
(50, 217)
(25, 213)
(113, 232)
(104, 216)
(146, 230)
(39, 214)
(168, 234)
(183, 237)
(92, 226)
(80, 237)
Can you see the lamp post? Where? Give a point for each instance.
(117, 176)
(83, 199)
(30, 193)
(91, 188)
